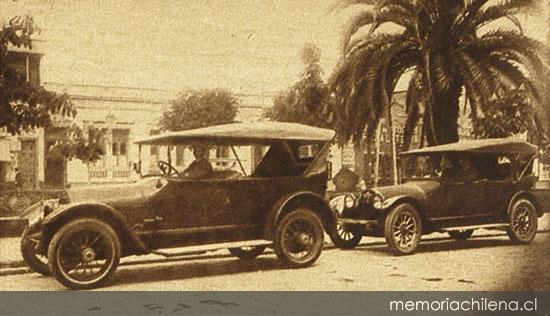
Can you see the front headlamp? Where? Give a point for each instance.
(49, 206)
(349, 201)
(377, 201)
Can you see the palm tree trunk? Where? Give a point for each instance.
(445, 112)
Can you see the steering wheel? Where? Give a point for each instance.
(167, 169)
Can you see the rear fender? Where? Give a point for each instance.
(311, 200)
(130, 241)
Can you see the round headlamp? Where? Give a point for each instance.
(377, 201)
(349, 201)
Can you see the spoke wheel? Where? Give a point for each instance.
(344, 237)
(38, 263)
(403, 229)
(247, 253)
(84, 254)
(461, 234)
(523, 222)
(299, 238)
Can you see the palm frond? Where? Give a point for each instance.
(373, 18)
(500, 10)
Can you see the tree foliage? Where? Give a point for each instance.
(308, 101)
(86, 145)
(24, 105)
(200, 108)
(506, 116)
(451, 48)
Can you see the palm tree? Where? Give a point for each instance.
(449, 46)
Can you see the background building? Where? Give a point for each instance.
(23, 150)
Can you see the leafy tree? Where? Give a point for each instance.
(308, 101)
(508, 115)
(85, 145)
(200, 108)
(24, 105)
(451, 48)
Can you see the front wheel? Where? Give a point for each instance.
(299, 238)
(37, 263)
(84, 253)
(247, 253)
(523, 222)
(403, 229)
(461, 234)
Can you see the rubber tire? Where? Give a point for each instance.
(29, 255)
(73, 226)
(388, 225)
(320, 236)
(533, 214)
(461, 234)
(247, 254)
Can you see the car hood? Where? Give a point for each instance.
(113, 192)
(415, 189)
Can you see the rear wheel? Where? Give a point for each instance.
(84, 253)
(523, 222)
(403, 229)
(38, 263)
(299, 238)
(247, 253)
(461, 234)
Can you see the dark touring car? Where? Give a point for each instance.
(280, 204)
(454, 188)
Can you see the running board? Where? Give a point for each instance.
(447, 229)
(197, 250)
(356, 221)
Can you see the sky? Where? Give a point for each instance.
(247, 46)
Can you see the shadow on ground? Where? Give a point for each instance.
(192, 269)
(436, 245)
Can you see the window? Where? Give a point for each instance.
(119, 145)
(179, 155)
(114, 148)
(122, 149)
(154, 150)
(222, 152)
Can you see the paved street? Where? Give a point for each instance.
(485, 262)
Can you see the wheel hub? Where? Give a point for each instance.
(88, 254)
(304, 239)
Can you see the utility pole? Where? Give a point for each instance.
(376, 171)
(392, 144)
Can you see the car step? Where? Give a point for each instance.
(195, 250)
(356, 221)
(447, 229)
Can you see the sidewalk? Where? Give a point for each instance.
(11, 261)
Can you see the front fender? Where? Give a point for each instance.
(306, 198)
(53, 221)
(389, 203)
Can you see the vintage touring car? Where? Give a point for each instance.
(454, 188)
(279, 203)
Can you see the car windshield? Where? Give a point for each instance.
(207, 161)
(420, 167)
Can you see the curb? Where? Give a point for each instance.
(19, 267)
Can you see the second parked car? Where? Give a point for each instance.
(454, 188)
